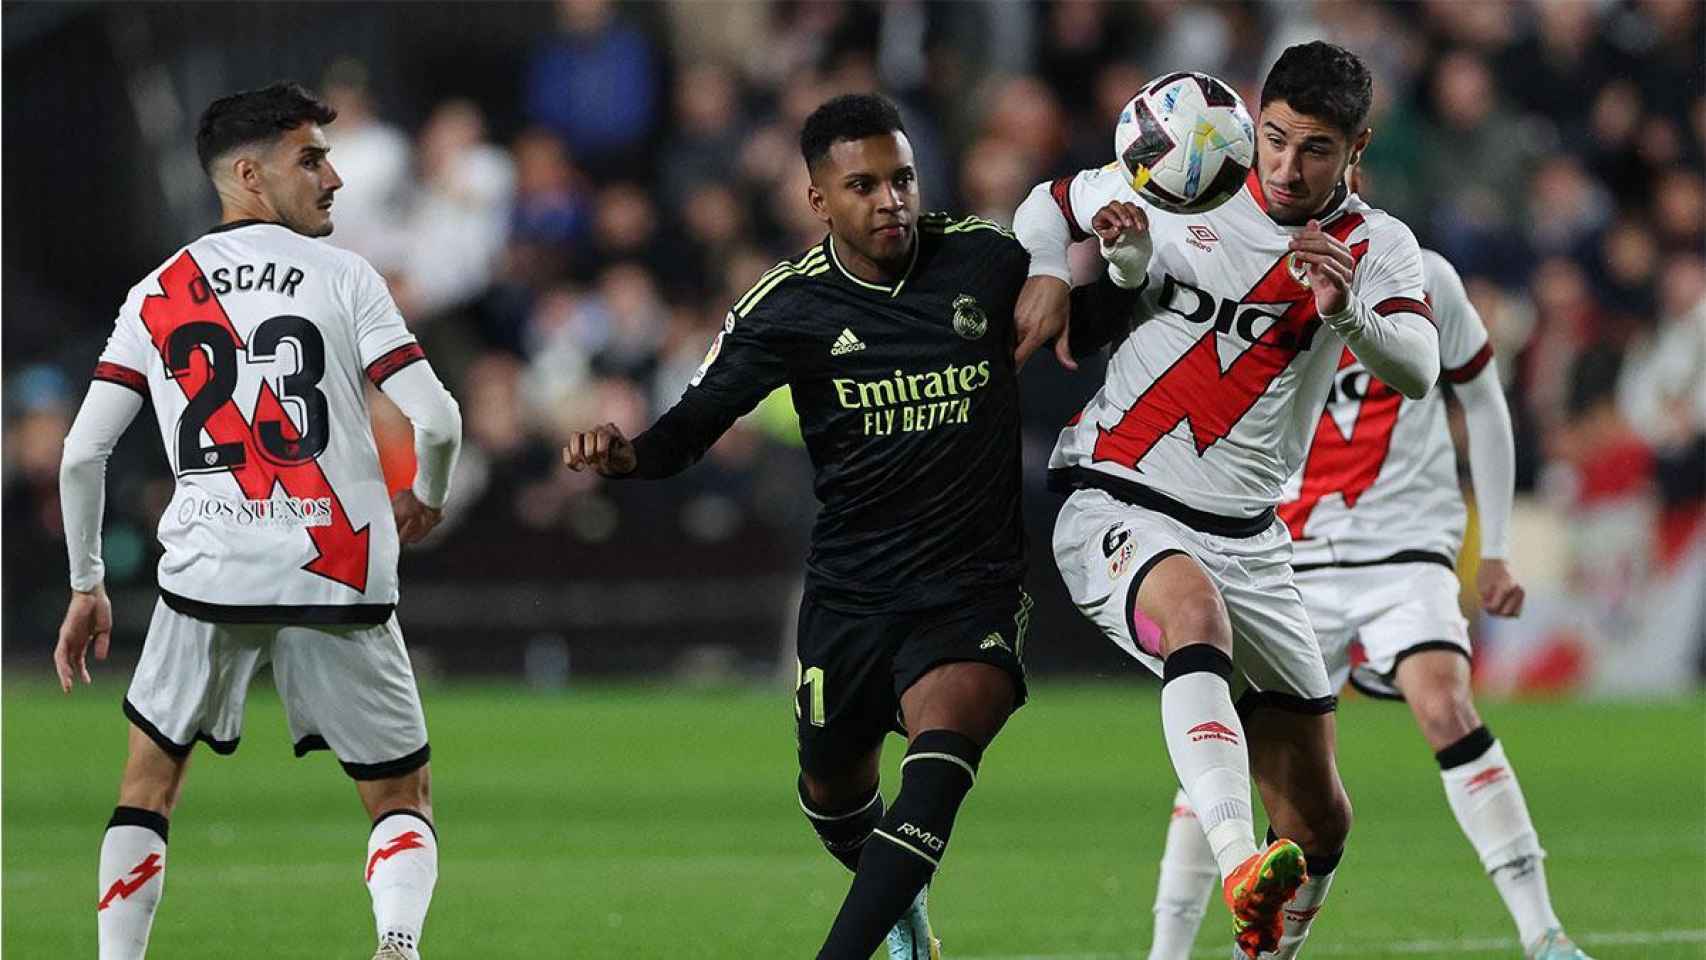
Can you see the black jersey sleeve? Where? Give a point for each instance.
(741, 368)
(1102, 314)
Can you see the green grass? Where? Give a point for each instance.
(653, 822)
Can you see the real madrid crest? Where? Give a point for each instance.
(969, 319)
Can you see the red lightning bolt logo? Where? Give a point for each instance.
(341, 551)
(124, 886)
(402, 841)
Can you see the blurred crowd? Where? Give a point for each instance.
(573, 270)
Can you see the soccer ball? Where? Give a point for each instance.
(1186, 142)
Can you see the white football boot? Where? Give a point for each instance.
(911, 938)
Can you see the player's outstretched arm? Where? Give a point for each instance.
(107, 410)
(1399, 345)
(1492, 469)
(1052, 217)
(603, 450)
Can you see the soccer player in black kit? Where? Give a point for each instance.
(896, 334)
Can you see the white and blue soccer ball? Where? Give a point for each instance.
(1186, 142)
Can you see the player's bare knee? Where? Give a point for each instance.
(1198, 616)
(1446, 715)
(411, 791)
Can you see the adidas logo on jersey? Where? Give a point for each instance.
(846, 343)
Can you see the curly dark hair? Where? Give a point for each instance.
(851, 116)
(1322, 80)
(256, 115)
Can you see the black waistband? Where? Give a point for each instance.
(352, 614)
(1402, 556)
(1068, 479)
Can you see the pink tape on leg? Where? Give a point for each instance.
(1147, 632)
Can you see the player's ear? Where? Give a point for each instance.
(815, 199)
(246, 172)
(1360, 144)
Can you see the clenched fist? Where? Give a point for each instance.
(603, 449)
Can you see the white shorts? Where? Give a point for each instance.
(1104, 547)
(349, 689)
(1393, 610)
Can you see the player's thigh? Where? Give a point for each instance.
(1274, 644)
(1404, 610)
(844, 703)
(962, 667)
(351, 689)
(1109, 553)
(192, 681)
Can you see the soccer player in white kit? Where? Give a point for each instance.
(1377, 520)
(1169, 541)
(255, 342)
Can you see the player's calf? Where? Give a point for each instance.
(133, 877)
(907, 845)
(844, 831)
(1487, 801)
(402, 859)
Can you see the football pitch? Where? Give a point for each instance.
(661, 822)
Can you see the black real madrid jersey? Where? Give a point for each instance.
(909, 406)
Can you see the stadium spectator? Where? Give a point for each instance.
(596, 85)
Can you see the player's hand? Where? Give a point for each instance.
(603, 449)
(1501, 595)
(88, 617)
(1123, 230)
(1327, 265)
(1043, 311)
(414, 519)
(1119, 221)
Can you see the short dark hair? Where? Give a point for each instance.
(1322, 80)
(256, 115)
(851, 116)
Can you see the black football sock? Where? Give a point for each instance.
(844, 833)
(907, 845)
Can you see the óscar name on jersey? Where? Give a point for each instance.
(247, 278)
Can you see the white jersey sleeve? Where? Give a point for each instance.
(1057, 214)
(379, 326)
(107, 412)
(1388, 323)
(1464, 347)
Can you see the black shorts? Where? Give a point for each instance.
(853, 668)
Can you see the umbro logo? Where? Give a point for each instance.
(992, 641)
(1212, 730)
(845, 344)
(1486, 778)
(1201, 237)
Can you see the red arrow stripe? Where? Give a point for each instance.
(341, 551)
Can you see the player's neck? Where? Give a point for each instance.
(884, 272)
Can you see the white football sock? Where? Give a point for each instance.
(133, 875)
(402, 866)
(1489, 806)
(1206, 741)
(1188, 875)
(1300, 915)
